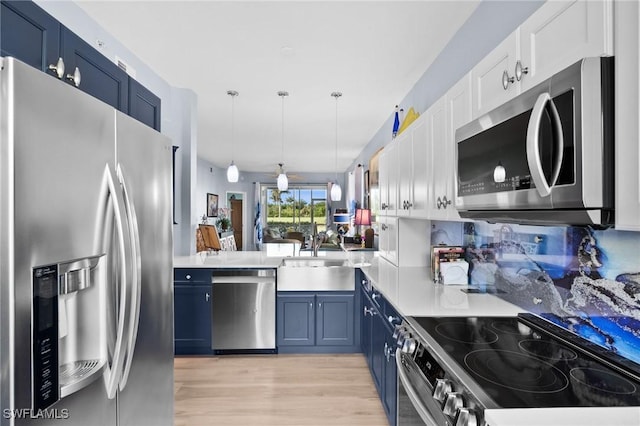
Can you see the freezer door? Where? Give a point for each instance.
(144, 161)
(55, 145)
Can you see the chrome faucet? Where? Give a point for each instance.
(315, 240)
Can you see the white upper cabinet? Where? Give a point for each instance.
(413, 170)
(459, 104)
(627, 111)
(441, 197)
(388, 180)
(418, 204)
(561, 33)
(404, 145)
(493, 79)
(555, 36)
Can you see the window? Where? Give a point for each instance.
(296, 209)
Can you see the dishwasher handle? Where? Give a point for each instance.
(231, 276)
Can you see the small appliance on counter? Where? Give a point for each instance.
(449, 265)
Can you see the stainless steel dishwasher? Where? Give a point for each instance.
(244, 311)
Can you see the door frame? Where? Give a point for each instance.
(244, 214)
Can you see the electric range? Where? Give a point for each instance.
(487, 370)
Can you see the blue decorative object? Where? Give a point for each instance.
(396, 123)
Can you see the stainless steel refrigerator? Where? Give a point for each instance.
(86, 301)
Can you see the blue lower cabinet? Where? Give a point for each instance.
(192, 311)
(390, 394)
(378, 346)
(335, 320)
(295, 320)
(316, 322)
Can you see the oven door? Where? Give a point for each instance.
(415, 404)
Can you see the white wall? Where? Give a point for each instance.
(488, 25)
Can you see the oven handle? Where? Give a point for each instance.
(411, 392)
(533, 143)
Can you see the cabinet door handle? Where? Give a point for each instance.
(58, 68)
(207, 296)
(320, 305)
(506, 80)
(76, 77)
(520, 70)
(310, 305)
(384, 227)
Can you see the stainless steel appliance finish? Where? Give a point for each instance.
(244, 310)
(545, 157)
(460, 371)
(85, 203)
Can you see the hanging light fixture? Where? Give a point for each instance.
(283, 181)
(336, 191)
(232, 170)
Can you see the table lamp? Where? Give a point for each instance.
(363, 217)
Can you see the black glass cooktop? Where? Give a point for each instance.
(519, 365)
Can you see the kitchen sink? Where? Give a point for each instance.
(315, 274)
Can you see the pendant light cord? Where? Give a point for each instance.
(233, 95)
(336, 95)
(282, 94)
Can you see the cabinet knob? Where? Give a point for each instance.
(58, 68)
(388, 352)
(76, 77)
(384, 227)
(520, 70)
(393, 320)
(207, 297)
(188, 276)
(384, 206)
(506, 80)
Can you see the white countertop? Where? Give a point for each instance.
(227, 259)
(410, 290)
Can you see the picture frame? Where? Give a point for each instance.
(212, 205)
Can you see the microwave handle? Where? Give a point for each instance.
(533, 143)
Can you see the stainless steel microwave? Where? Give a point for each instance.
(545, 157)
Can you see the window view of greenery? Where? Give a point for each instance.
(296, 209)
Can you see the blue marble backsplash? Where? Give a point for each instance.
(585, 280)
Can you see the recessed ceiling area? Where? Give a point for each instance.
(372, 52)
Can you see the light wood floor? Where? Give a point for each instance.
(276, 390)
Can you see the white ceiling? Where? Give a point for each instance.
(372, 52)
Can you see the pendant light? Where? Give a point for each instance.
(232, 170)
(336, 191)
(283, 181)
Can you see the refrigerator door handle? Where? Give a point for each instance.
(135, 278)
(111, 196)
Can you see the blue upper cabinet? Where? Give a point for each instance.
(29, 34)
(100, 77)
(144, 106)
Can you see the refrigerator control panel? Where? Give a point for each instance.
(44, 331)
